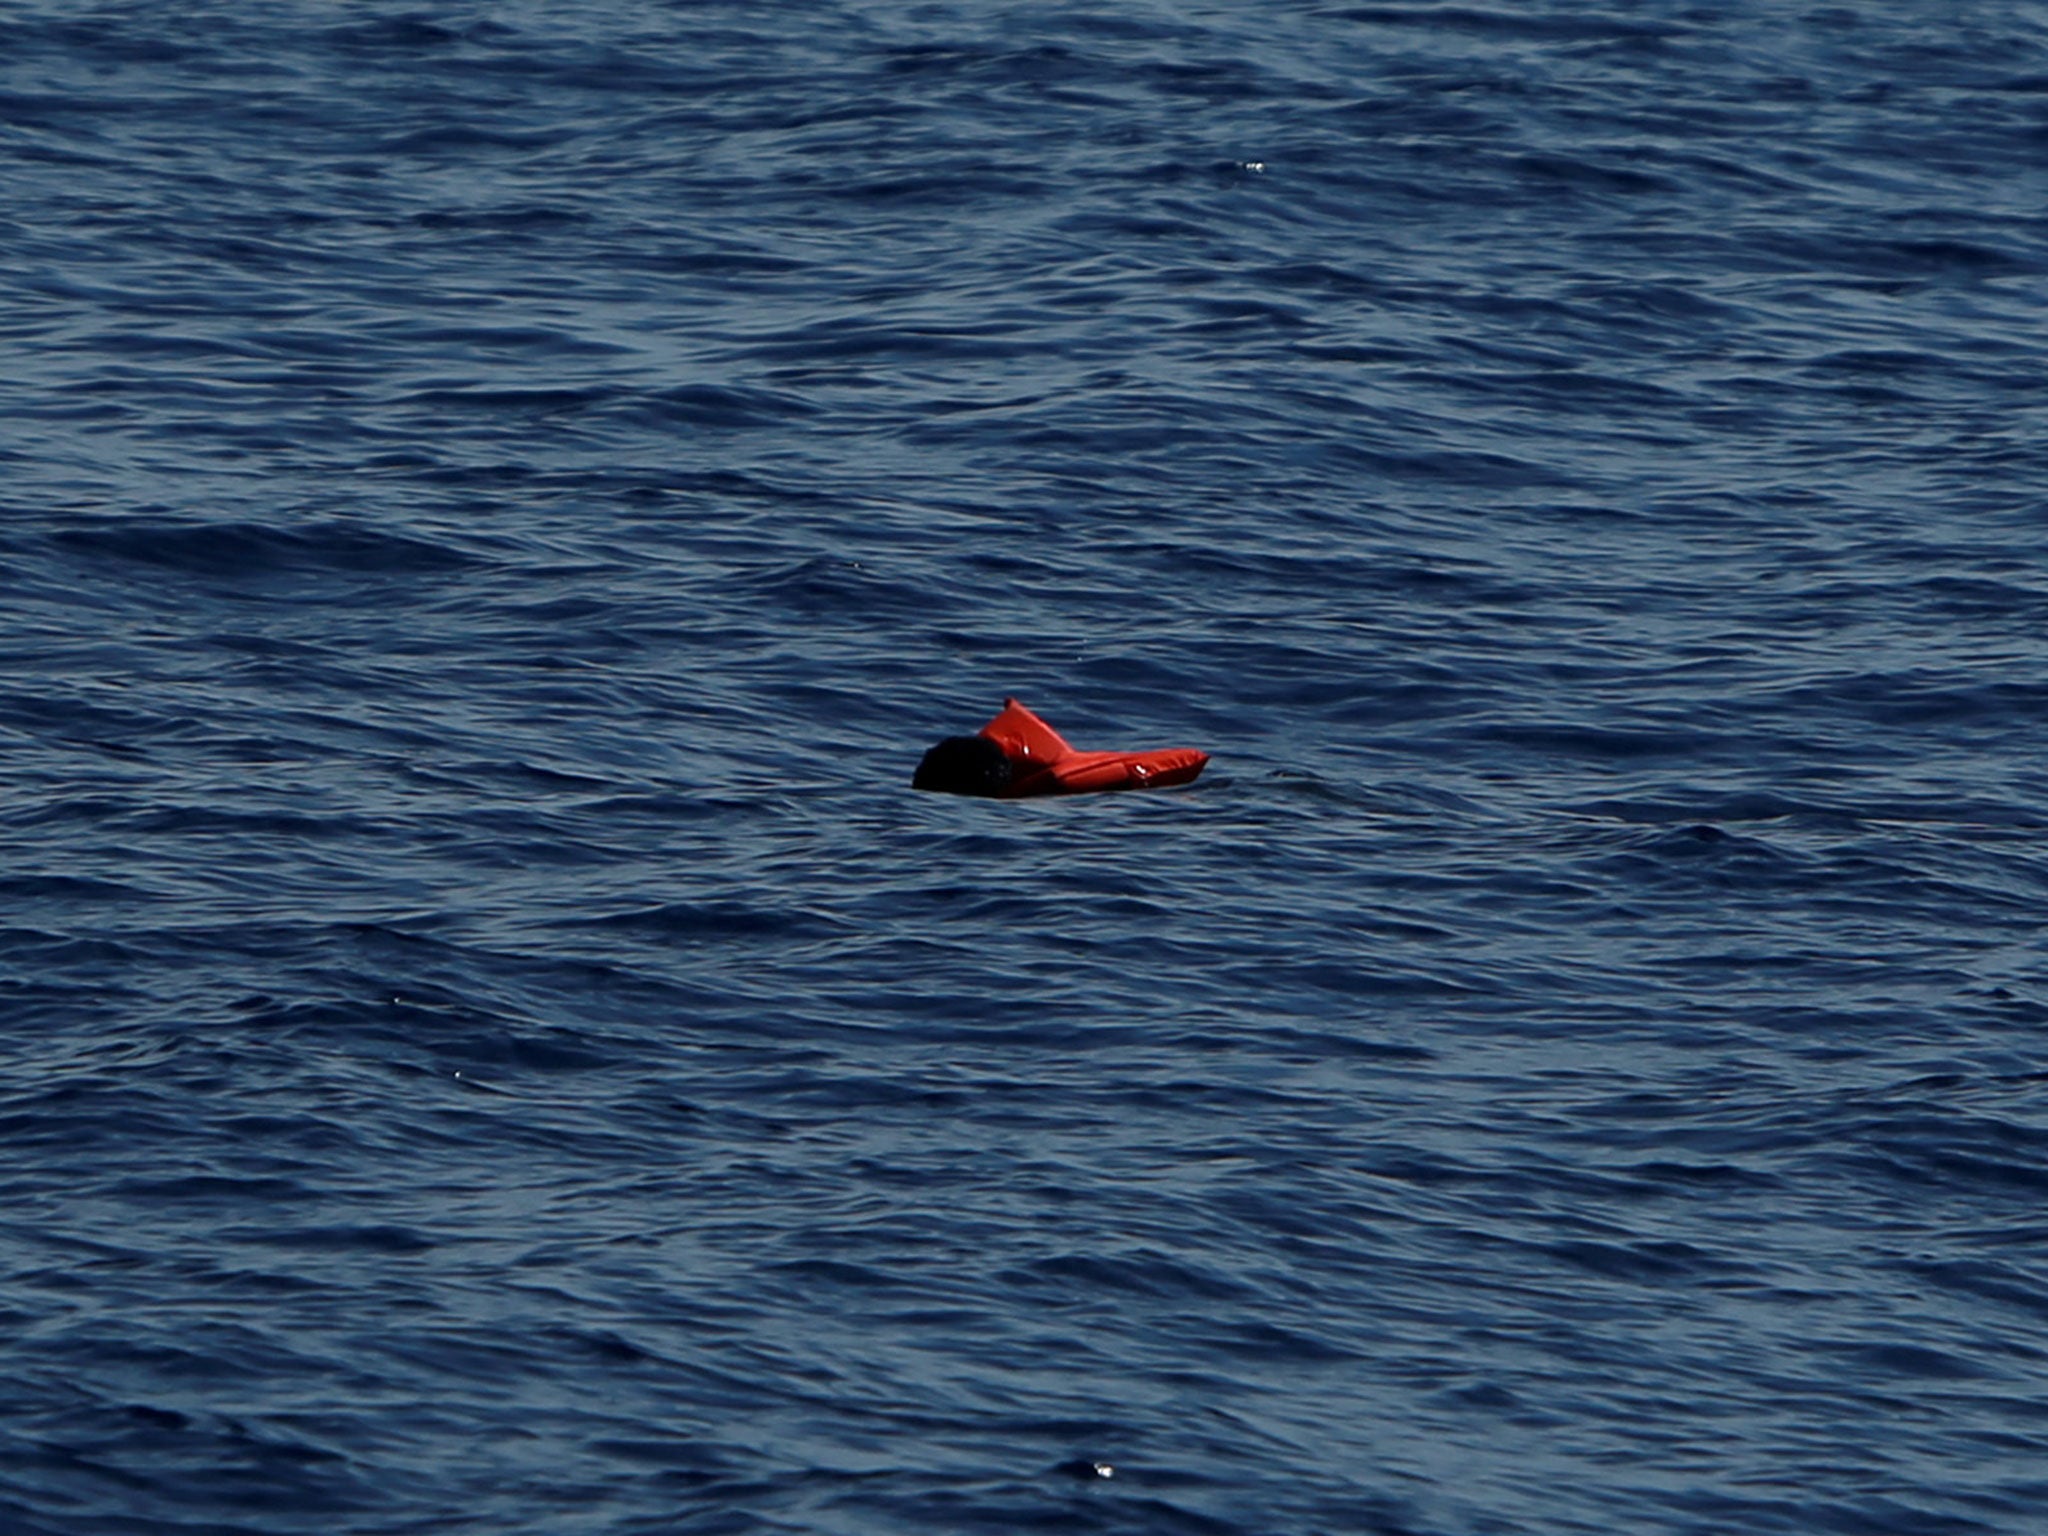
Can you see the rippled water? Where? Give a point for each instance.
(494, 500)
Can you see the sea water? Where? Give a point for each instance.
(496, 498)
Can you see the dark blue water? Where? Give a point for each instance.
(494, 500)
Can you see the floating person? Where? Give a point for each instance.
(1017, 754)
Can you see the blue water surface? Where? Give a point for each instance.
(494, 500)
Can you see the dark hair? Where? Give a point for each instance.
(964, 765)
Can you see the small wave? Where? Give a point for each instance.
(252, 551)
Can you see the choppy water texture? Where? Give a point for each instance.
(496, 499)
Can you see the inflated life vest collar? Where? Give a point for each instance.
(1039, 761)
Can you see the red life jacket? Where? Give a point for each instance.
(1041, 762)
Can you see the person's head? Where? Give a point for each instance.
(964, 765)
